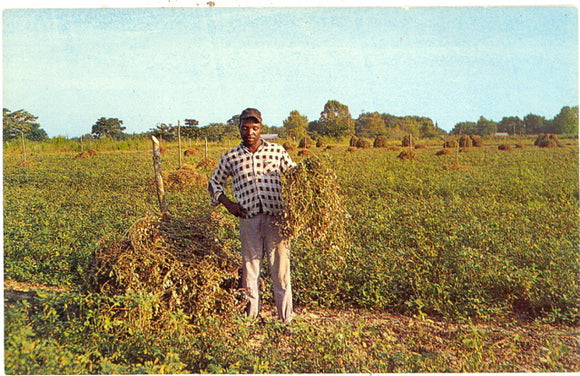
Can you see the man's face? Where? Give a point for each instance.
(250, 130)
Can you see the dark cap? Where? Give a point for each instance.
(251, 113)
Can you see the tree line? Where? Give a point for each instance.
(335, 122)
(566, 122)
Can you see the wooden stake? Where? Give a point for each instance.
(179, 141)
(158, 176)
(206, 148)
(23, 145)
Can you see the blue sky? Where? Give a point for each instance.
(72, 66)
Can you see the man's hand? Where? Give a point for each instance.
(233, 207)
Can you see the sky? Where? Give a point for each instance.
(146, 66)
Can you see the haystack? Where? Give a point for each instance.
(465, 141)
(408, 141)
(381, 141)
(306, 142)
(86, 154)
(547, 141)
(192, 151)
(314, 205)
(177, 260)
(444, 151)
(407, 154)
(504, 147)
(206, 162)
(27, 163)
(353, 141)
(186, 175)
(364, 143)
(477, 140)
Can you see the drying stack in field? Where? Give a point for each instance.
(407, 154)
(86, 154)
(207, 162)
(186, 175)
(178, 260)
(381, 141)
(547, 141)
(313, 203)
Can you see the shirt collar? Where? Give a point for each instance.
(243, 148)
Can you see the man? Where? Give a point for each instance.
(255, 167)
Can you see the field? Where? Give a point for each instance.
(448, 268)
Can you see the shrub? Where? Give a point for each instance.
(320, 143)
(381, 141)
(289, 146)
(304, 152)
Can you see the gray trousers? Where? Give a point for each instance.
(260, 237)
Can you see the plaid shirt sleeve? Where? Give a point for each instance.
(286, 162)
(218, 180)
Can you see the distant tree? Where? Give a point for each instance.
(280, 131)
(36, 134)
(220, 131)
(335, 121)
(166, 132)
(21, 123)
(511, 124)
(464, 127)
(190, 129)
(234, 120)
(108, 127)
(534, 124)
(392, 121)
(295, 125)
(370, 125)
(485, 127)
(566, 122)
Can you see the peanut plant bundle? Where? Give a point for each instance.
(313, 204)
(178, 260)
(186, 175)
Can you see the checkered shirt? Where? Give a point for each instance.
(256, 177)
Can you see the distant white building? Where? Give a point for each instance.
(501, 134)
(269, 136)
